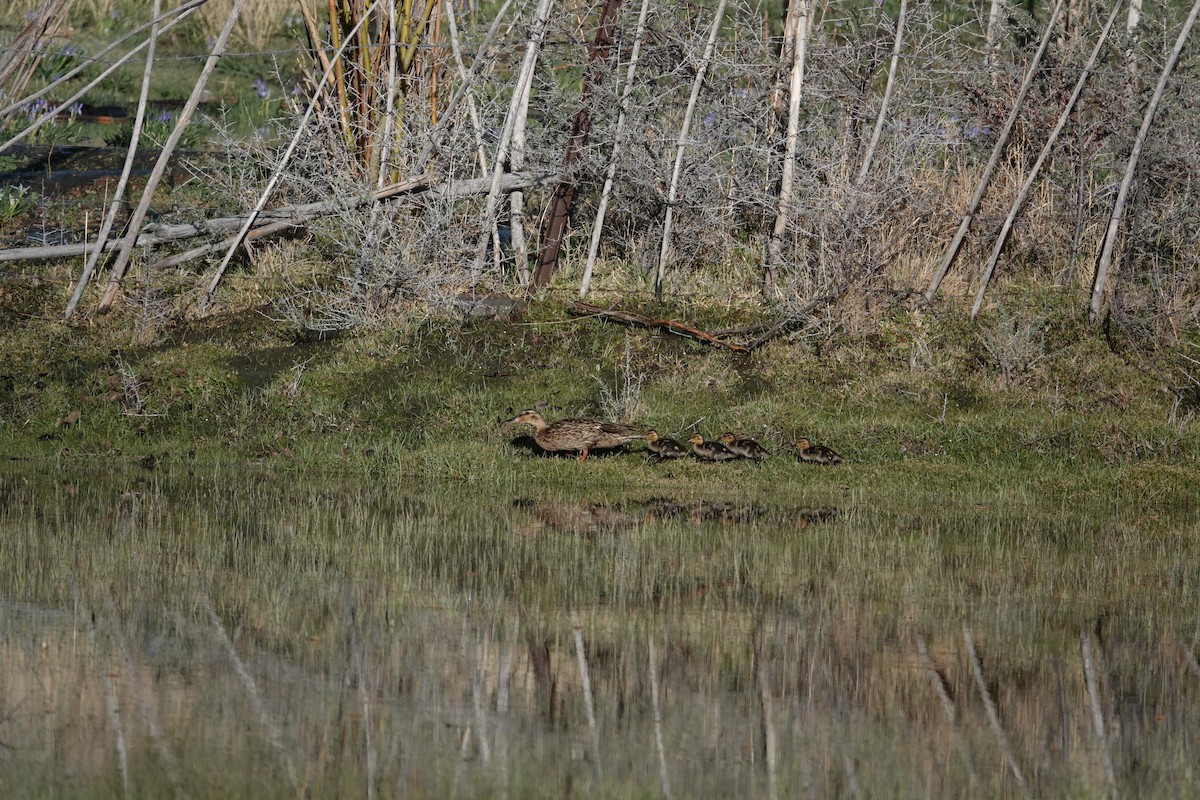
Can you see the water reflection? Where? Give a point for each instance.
(232, 636)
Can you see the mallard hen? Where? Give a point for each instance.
(576, 434)
(710, 451)
(663, 447)
(746, 448)
(817, 453)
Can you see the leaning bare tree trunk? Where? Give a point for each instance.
(887, 95)
(160, 167)
(664, 254)
(537, 35)
(997, 151)
(465, 79)
(602, 208)
(794, 47)
(23, 51)
(1118, 213)
(181, 13)
(564, 194)
(277, 173)
(1041, 159)
(122, 182)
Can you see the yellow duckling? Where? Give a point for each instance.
(746, 448)
(663, 447)
(710, 451)
(817, 453)
(576, 434)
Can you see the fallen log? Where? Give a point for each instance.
(288, 216)
(630, 318)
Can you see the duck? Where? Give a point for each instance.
(576, 434)
(710, 451)
(817, 453)
(662, 447)
(746, 448)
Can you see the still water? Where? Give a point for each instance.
(238, 634)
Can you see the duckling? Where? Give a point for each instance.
(663, 447)
(710, 451)
(817, 453)
(576, 434)
(746, 448)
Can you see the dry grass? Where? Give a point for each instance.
(260, 22)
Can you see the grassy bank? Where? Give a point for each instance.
(923, 399)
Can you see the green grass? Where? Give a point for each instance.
(919, 399)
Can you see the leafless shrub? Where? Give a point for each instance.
(883, 233)
(132, 387)
(1015, 344)
(623, 400)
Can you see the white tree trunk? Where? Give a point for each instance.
(887, 95)
(985, 179)
(664, 254)
(1104, 263)
(1131, 61)
(795, 44)
(1041, 159)
(520, 98)
(626, 91)
(991, 51)
(119, 193)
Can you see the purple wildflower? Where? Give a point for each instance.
(261, 87)
(165, 117)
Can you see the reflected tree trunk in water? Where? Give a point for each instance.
(586, 687)
(112, 707)
(1097, 710)
(767, 706)
(993, 714)
(251, 687)
(942, 690)
(145, 710)
(477, 692)
(657, 722)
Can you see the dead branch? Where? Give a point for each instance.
(630, 318)
(287, 216)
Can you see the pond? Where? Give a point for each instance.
(241, 633)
